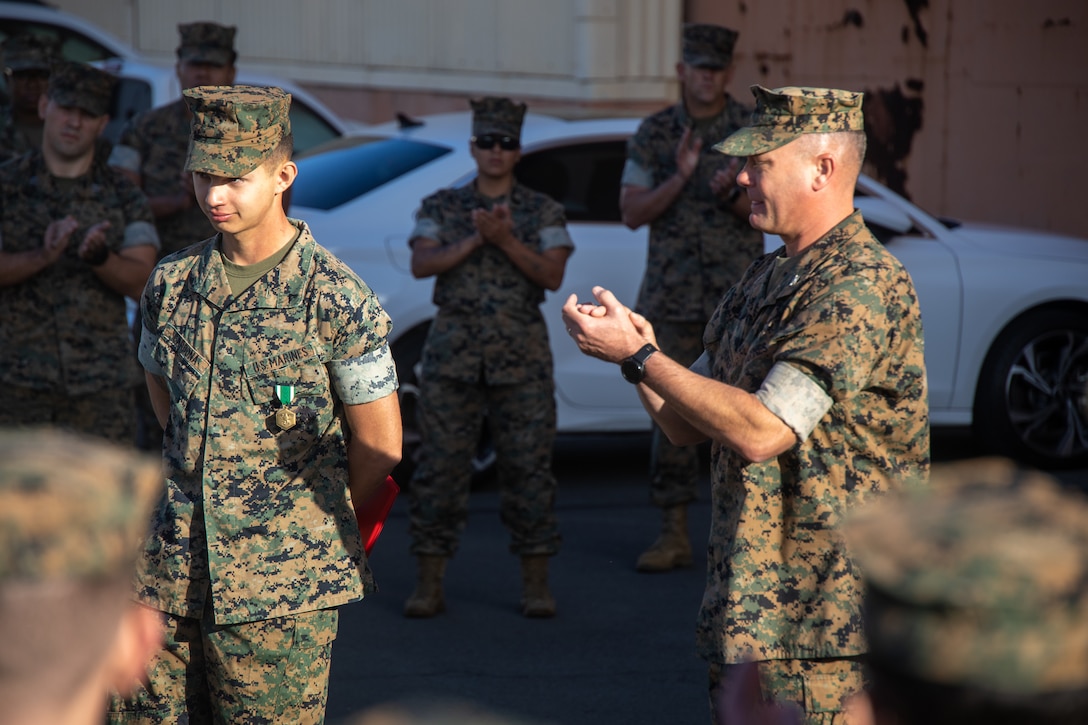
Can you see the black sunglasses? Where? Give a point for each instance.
(488, 141)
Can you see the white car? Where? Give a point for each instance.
(79, 40)
(1005, 310)
(145, 84)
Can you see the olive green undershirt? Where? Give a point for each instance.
(243, 276)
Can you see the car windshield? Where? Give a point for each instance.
(308, 128)
(327, 180)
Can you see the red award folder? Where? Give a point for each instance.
(371, 515)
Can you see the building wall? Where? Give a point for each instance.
(973, 107)
(367, 58)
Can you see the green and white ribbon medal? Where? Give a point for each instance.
(285, 417)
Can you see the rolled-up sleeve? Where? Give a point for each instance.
(148, 341)
(366, 378)
(138, 233)
(555, 237)
(795, 398)
(425, 228)
(634, 174)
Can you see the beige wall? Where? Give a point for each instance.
(368, 58)
(977, 108)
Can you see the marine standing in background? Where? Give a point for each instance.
(154, 145)
(75, 240)
(700, 245)
(812, 389)
(152, 152)
(269, 369)
(495, 246)
(28, 60)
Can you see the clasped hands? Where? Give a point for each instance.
(495, 226)
(92, 249)
(606, 329)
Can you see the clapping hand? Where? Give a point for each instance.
(93, 249)
(687, 154)
(725, 180)
(607, 330)
(56, 237)
(495, 226)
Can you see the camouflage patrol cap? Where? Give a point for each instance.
(83, 86)
(28, 51)
(72, 508)
(235, 128)
(497, 115)
(207, 43)
(708, 46)
(783, 114)
(982, 581)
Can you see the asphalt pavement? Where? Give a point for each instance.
(620, 650)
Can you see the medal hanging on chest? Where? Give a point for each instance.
(285, 417)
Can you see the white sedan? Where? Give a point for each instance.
(1005, 310)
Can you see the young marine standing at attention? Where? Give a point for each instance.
(269, 369)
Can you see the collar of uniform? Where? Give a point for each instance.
(687, 121)
(40, 176)
(512, 198)
(812, 258)
(282, 287)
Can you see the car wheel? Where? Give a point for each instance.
(408, 356)
(1032, 398)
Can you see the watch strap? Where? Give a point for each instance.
(643, 353)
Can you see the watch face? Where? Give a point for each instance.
(632, 370)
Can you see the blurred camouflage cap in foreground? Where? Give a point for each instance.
(78, 85)
(427, 711)
(708, 46)
(235, 128)
(27, 51)
(497, 115)
(72, 508)
(207, 43)
(783, 114)
(982, 581)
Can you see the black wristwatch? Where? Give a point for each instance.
(633, 368)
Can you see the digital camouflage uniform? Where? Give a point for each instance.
(979, 582)
(64, 341)
(25, 53)
(160, 137)
(14, 141)
(487, 350)
(257, 541)
(698, 248)
(780, 588)
(155, 144)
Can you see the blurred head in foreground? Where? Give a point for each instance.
(73, 513)
(977, 599)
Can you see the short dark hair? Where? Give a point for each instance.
(284, 150)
